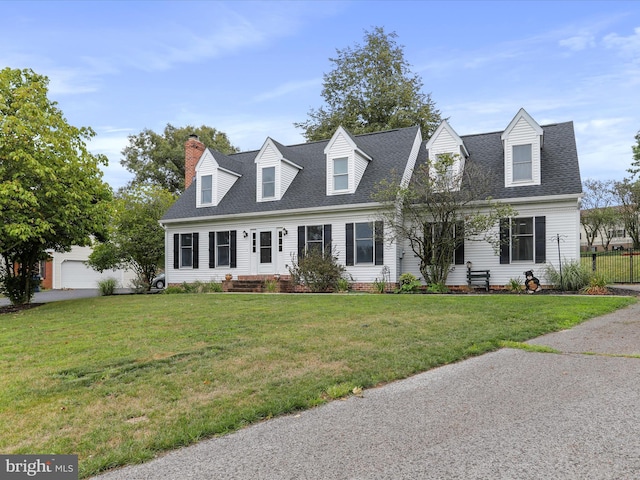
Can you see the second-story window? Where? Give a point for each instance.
(268, 182)
(522, 163)
(340, 174)
(206, 190)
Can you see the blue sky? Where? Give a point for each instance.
(252, 69)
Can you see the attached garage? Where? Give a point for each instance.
(70, 270)
(76, 274)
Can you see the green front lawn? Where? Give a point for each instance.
(118, 379)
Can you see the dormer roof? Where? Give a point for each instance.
(341, 131)
(522, 141)
(392, 150)
(287, 154)
(522, 115)
(444, 127)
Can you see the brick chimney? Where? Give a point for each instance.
(193, 150)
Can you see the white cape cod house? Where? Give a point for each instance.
(248, 214)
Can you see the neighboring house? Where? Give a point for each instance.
(69, 270)
(249, 214)
(616, 238)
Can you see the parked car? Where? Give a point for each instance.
(158, 282)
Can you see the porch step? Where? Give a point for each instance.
(245, 286)
(256, 285)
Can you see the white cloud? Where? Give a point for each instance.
(251, 133)
(288, 88)
(230, 27)
(110, 142)
(110, 146)
(628, 46)
(595, 125)
(578, 42)
(71, 81)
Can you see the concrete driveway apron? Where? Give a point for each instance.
(510, 414)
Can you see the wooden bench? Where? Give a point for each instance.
(478, 276)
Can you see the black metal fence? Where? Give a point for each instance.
(619, 266)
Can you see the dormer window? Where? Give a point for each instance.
(346, 163)
(206, 190)
(522, 141)
(447, 155)
(340, 174)
(275, 171)
(522, 163)
(268, 182)
(213, 180)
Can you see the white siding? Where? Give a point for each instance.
(360, 273)
(446, 143)
(359, 166)
(411, 163)
(288, 173)
(259, 197)
(207, 165)
(225, 181)
(271, 156)
(521, 134)
(562, 218)
(221, 181)
(443, 143)
(341, 147)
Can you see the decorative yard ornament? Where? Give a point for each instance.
(531, 284)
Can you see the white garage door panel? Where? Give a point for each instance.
(75, 274)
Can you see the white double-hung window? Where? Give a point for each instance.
(206, 189)
(268, 182)
(522, 163)
(340, 174)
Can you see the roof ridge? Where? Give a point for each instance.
(502, 131)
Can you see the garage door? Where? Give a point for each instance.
(75, 274)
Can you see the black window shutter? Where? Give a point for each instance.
(196, 253)
(505, 241)
(176, 250)
(233, 235)
(541, 239)
(327, 237)
(378, 232)
(459, 235)
(212, 249)
(349, 243)
(301, 241)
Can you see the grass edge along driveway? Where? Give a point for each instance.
(117, 380)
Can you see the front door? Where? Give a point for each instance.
(266, 253)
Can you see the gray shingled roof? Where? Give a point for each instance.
(389, 151)
(559, 163)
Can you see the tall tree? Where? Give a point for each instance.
(627, 194)
(438, 210)
(136, 239)
(51, 191)
(597, 213)
(158, 159)
(370, 89)
(635, 164)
